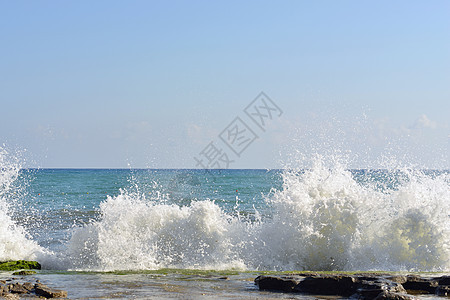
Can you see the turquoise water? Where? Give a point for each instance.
(61, 199)
(209, 233)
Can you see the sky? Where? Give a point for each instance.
(166, 84)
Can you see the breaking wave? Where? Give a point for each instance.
(321, 219)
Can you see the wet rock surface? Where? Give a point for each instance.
(11, 289)
(357, 286)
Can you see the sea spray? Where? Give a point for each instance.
(323, 218)
(415, 234)
(138, 234)
(316, 220)
(14, 240)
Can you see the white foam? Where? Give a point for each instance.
(325, 220)
(139, 234)
(14, 243)
(322, 220)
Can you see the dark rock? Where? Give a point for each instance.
(397, 278)
(368, 293)
(277, 283)
(24, 273)
(443, 290)
(17, 288)
(28, 286)
(420, 285)
(444, 280)
(28, 290)
(357, 286)
(327, 285)
(45, 291)
(366, 278)
(373, 289)
(18, 265)
(392, 296)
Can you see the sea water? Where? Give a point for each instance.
(190, 233)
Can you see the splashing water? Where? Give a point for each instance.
(14, 242)
(135, 234)
(323, 218)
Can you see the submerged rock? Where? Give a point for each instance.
(24, 273)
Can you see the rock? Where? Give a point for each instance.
(371, 289)
(327, 285)
(443, 290)
(28, 286)
(397, 278)
(11, 296)
(45, 291)
(24, 272)
(277, 283)
(392, 296)
(17, 288)
(444, 280)
(420, 285)
(29, 290)
(18, 265)
(357, 286)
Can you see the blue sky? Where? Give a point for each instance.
(152, 83)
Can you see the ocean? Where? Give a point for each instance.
(179, 233)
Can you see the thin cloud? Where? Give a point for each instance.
(424, 122)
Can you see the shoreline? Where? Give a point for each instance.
(230, 284)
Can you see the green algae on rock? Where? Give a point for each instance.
(19, 265)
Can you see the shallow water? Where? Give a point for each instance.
(166, 284)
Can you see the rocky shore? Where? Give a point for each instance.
(357, 286)
(19, 287)
(13, 289)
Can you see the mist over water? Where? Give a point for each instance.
(323, 218)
